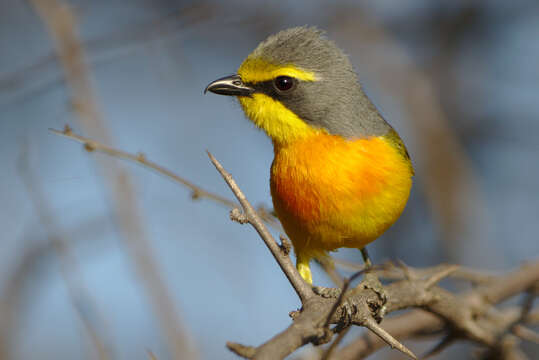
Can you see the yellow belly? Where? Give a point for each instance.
(330, 192)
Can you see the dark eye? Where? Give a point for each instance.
(284, 83)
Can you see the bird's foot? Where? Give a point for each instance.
(372, 282)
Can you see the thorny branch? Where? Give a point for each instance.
(250, 215)
(197, 192)
(470, 315)
(141, 159)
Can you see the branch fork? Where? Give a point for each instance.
(470, 315)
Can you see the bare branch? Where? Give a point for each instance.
(141, 159)
(526, 333)
(246, 352)
(197, 192)
(436, 278)
(413, 324)
(373, 326)
(462, 312)
(302, 289)
(397, 272)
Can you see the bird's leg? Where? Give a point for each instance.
(372, 282)
(302, 264)
(366, 258)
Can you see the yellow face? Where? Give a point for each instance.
(280, 123)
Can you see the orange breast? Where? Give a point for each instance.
(330, 192)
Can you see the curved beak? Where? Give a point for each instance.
(229, 85)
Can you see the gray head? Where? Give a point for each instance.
(332, 99)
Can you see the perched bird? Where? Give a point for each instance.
(341, 175)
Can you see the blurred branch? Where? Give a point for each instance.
(197, 192)
(25, 276)
(141, 159)
(134, 35)
(61, 24)
(392, 272)
(85, 306)
(445, 170)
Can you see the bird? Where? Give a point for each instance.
(341, 175)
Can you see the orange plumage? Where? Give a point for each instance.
(330, 192)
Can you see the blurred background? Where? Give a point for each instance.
(459, 80)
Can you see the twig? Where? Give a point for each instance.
(526, 333)
(396, 273)
(197, 192)
(302, 289)
(92, 145)
(437, 277)
(308, 326)
(246, 352)
(320, 333)
(469, 313)
(373, 326)
(413, 324)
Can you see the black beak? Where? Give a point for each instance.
(229, 85)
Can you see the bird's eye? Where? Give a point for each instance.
(284, 83)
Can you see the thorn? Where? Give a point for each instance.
(436, 278)
(195, 195)
(141, 157)
(238, 216)
(441, 346)
(373, 326)
(294, 314)
(88, 146)
(67, 130)
(247, 352)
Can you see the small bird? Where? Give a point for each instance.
(341, 175)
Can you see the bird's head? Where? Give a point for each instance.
(297, 83)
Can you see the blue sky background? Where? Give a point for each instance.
(150, 61)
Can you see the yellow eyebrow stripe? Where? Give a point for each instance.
(257, 70)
